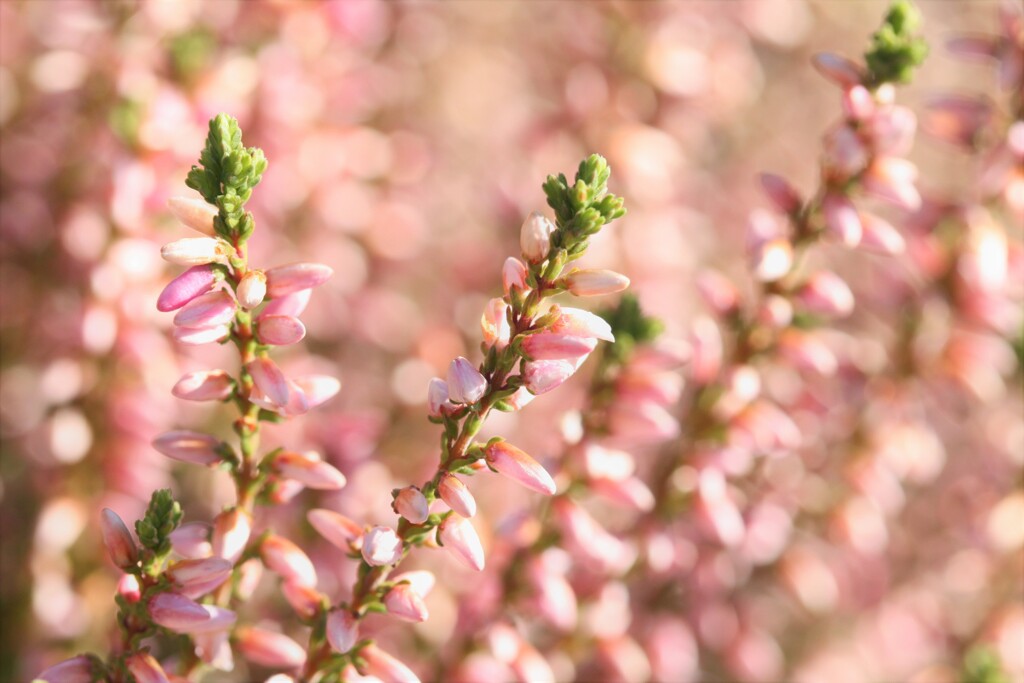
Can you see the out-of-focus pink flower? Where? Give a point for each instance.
(195, 213)
(336, 528)
(547, 346)
(625, 659)
(317, 389)
(459, 538)
(706, 345)
(776, 312)
(290, 304)
(773, 259)
(465, 383)
(839, 70)
(404, 602)
(304, 599)
(195, 251)
(782, 194)
(309, 469)
(542, 376)
(456, 495)
(204, 385)
(128, 588)
(529, 665)
(269, 648)
(194, 578)
(892, 179)
(287, 559)
(807, 351)
(553, 596)
(381, 546)
(520, 467)
(190, 447)
(78, 669)
(718, 292)
(513, 274)
(207, 310)
(270, 380)
(252, 289)
(284, 280)
(118, 540)
(194, 282)
(214, 648)
(841, 219)
(385, 667)
(411, 504)
(342, 630)
(494, 324)
(595, 282)
(280, 330)
(535, 237)
(858, 104)
(231, 531)
(845, 154)
(716, 511)
(827, 294)
(590, 540)
(192, 540)
(481, 667)
(579, 323)
(673, 651)
(630, 493)
(641, 422)
(957, 119)
(892, 131)
(880, 236)
(144, 667)
(176, 612)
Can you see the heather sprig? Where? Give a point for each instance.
(895, 49)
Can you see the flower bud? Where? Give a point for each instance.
(308, 469)
(381, 546)
(465, 383)
(204, 385)
(437, 397)
(579, 323)
(839, 70)
(144, 667)
(252, 289)
(286, 559)
(522, 397)
(305, 600)
(456, 495)
(198, 577)
(187, 286)
(317, 389)
(280, 330)
(518, 466)
(269, 648)
(190, 447)
(858, 104)
(706, 345)
(411, 504)
(841, 219)
(421, 580)
(194, 213)
(194, 251)
(176, 612)
(892, 179)
(338, 529)
(118, 540)
(880, 236)
(128, 588)
(547, 346)
(535, 237)
(80, 669)
(231, 531)
(776, 312)
(781, 193)
(718, 292)
(269, 379)
(196, 336)
(283, 280)
(807, 352)
(773, 259)
(542, 376)
(380, 664)
(290, 304)
(342, 630)
(404, 602)
(207, 310)
(595, 282)
(192, 540)
(642, 423)
(513, 274)
(630, 493)
(221, 619)
(494, 324)
(826, 294)
(844, 152)
(459, 538)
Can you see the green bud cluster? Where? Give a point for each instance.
(584, 207)
(981, 665)
(226, 175)
(162, 517)
(630, 327)
(895, 51)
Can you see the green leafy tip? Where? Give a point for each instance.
(895, 51)
(981, 665)
(630, 327)
(583, 207)
(162, 517)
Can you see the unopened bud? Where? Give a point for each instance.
(535, 237)
(118, 540)
(252, 289)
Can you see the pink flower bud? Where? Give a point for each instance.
(404, 602)
(381, 546)
(807, 352)
(421, 580)
(892, 179)
(195, 251)
(459, 538)
(309, 469)
(535, 237)
(144, 667)
(518, 466)
(579, 323)
(342, 630)
(858, 104)
(196, 336)
(286, 559)
(176, 612)
(187, 286)
(214, 648)
(118, 540)
(231, 531)
(513, 274)
(957, 119)
(456, 495)
(839, 70)
(437, 397)
(190, 447)
(284, 280)
(892, 131)
(198, 577)
(553, 597)
(776, 312)
(194, 213)
(317, 389)
(600, 462)
(249, 574)
(128, 588)
(642, 423)
(221, 619)
(280, 330)
(465, 383)
(269, 379)
(252, 289)
(547, 346)
(773, 259)
(780, 192)
(380, 664)
(522, 397)
(718, 292)
(826, 294)
(204, 385)
(411, 504)
(630, 493)
(338, 529)
(269, 648)
(530, 665)
(494, 324)
(589, 540)
(706, 344)
(208, 310)
(595, 282)
(542, 376)
(844, 152)
(305, 600)
(290, 304)
(78, 669)
(841, 219)
(192, 540)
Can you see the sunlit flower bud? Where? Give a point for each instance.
(208, 310)
(176, 612)
(775, 312)
(520, 467)
(553, 597)
(595, 282)
(630, 493)
(269, 648)
(984, 261)
(252, 289)
(411, 504)
(190, 447)
(305, 600)
(128, 588)
(437, 397)
(465, 383)
(231, 531)
(880, 236)
(844, 152)
(198, 577)
(839, 70)
(535, 237)
(782, 194)
(290, 304)
(642, 423)
(421, 580)
(892, 131)
(513, 274)
(548, 346)
(579, 323)
(342, 630)
(220, 619)
(589, 540)
(773, 259)
(196, 336)
(286, 559)
(381, 546)
(118, 540)
(194, 251)
(542, 376)
(192, 540)
(827, 294)
(716, 511)
(283, 280)
(309, 469)
(380, 664)
(892, 179)
(481, 667)
(600, 462)
(317, 389)
(494, 324)
(338, 529)
(194, 213)
(841, 219)
(187, 286)
(404, 602)
(78, 669)
(858, 104)
(456, 495)
(144, 667)
(807, 352)
(459, 538)
(280, 330)
(204, 385)
(270, 380)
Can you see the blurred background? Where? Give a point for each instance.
(407, 141)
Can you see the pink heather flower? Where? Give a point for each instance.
(858, 104)
(522, 397)
(381, 546)
(176, 612)
(459, 538)
(194, 213)
(204, 385)
(221, 619)
(284, 280)
(642, 423)
(187, 286)
(207, 310)
(595, 282)
(494, 324)
(518, 466)
(718, 292)
(309, 469)
(589, 540)
(892, 131)
(195, 251)
(190, 447)
(781, 193)
(437, 397)
(807, 352)
(286, 559)
(78, 669)
(600, 462)
(716, 511)
(269, 648)
(380, 664)
(892, 179)
(192, 540)
(252, 289)
(839, 70)
(542, 376)
(421, 580)
(465, 383)
(554, 598)
(404, 602)
(706, 344)
(535, 237)
(144, 667)
(338, 529)
(841, 219)
(305, 600)
(342, 630)
(214, 648)
(197, 336)
(529, 665)
(128, 588)
(513, 274)
(456, 495)
(231, 531)
(663, 388)
(773, 259)
(827, 294)
(547, 346)
(776, 312)
(280, 330)
(118, 540)
(957, 119)
(625, 659)
(579, 323)
(249, 574)
(198, 577)
(269, 379)
(630, 493)
(317, 389)
(411, 504)
(844, 152)
(290, 304)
